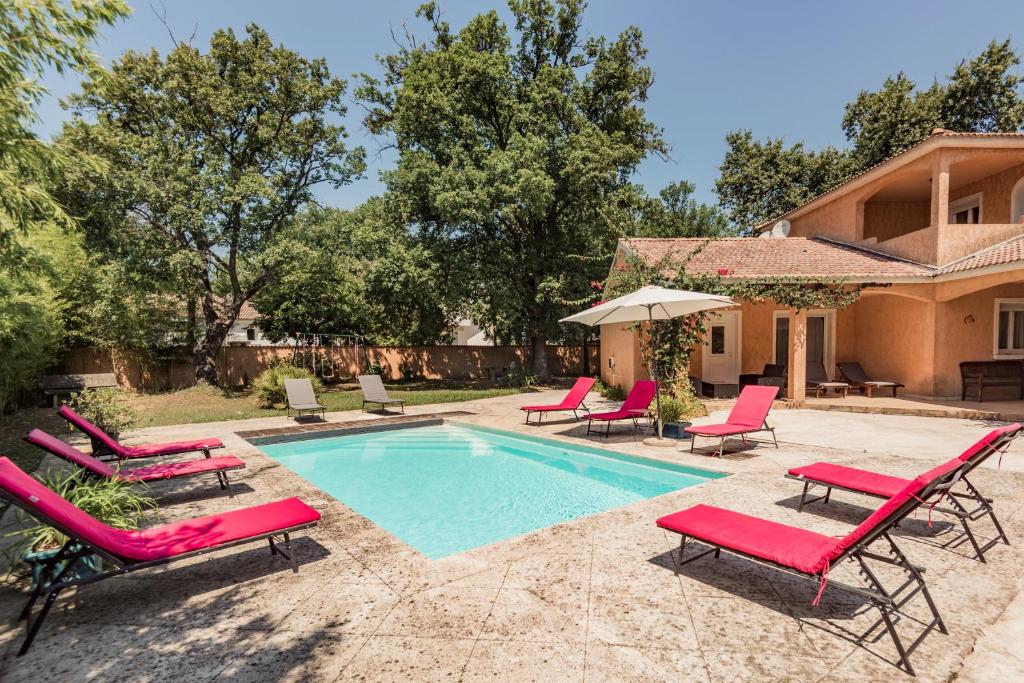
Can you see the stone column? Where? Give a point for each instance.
(797, 362)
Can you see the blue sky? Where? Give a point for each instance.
(781, 68)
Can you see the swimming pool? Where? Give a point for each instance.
(446, 488)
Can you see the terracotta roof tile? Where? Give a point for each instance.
(1010, 251)
(751, 257)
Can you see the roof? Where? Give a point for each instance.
(745, 258)
(1010, 251)
(798, 257)
(938, 138)
(248, 312)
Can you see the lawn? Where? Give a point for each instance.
(207, 404)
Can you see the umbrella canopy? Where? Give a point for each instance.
(649, 303)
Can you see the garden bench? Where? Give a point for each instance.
(982, 374)
(56, 386)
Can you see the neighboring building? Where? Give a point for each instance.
(938, 228)
(468, 333)
(245, 332)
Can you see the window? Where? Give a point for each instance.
(1009, 328)
(821, 334)
(250, 333)
(717, 339)
(966, 210)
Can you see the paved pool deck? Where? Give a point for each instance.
(593, 599)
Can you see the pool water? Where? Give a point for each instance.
(443, 489)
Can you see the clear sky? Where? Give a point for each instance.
(781, 68)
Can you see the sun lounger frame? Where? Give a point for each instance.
(50, 583)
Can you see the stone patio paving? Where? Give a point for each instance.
(593, 599)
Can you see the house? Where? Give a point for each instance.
(245, 332)
(935, 235)
(468, 333)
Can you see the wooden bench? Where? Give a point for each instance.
(56, 386)
(982, 374)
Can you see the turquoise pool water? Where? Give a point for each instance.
(444, 489)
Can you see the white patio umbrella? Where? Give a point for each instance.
(650, 303)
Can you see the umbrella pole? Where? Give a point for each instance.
(654, 372)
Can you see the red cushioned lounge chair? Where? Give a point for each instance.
(812, 555)
(633, 408)
(884, 486)
(123, 551)
(749, 415)
(573, 401)
(218, 466)
(105, 445)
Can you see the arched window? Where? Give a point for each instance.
(1017, 202)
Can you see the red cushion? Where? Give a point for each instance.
(207, 532)
(871, 483)
(615, 415)
(173, 448)
(799, 549)
(721, 429)
(52, 444)
(159, 542)
(640, 396)
(181, 469)
(571, 401)
(752, 406)
(545, 409)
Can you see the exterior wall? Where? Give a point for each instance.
(621, 364)
(836, 219)
(240, 364)
(995, 194)
(885, 220)
(966, 327)
(894, 339)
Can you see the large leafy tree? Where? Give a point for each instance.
(359, 272)
(36, 35)
(515, 152)
(215, 154)
(762, 179)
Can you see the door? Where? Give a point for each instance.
(720, 357)
(818, 340)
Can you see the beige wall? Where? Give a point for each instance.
(894, 340)
(885, 220)
(621, 364)
(995, 190)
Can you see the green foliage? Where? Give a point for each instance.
(107, 407)
(38, 35)
(761, 180)
(612, 392)
(671, 410)
(515, 152)
(118, 504)
(677, 214)
(213, 155)
(269, 386)
(358, 271)
(521, 378)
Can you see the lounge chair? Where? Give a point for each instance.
(878, 485)
(817, 379)
(573, 401)
(98, 468)
(122, 551)
(813, 555)
(374, 392)
(301, 398)
(853, 373)
(105, 445)
(633, 408)
(749, 415)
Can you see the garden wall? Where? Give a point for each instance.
(238, 365)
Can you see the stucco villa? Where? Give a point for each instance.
(935, 234)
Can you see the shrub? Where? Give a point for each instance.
(269, 386)
(612, 392)
(113, 502)
(107, 408)
(671, 410)
(375, 369)
(689, 403)
(521, 378)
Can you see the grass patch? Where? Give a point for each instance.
(208, 404)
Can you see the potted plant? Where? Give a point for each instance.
(116, 503)
(671, 412)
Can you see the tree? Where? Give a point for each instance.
(760, 180)
(514, 151)
(676, 213)
(359, 272)
(36, 35)
(214, 154)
